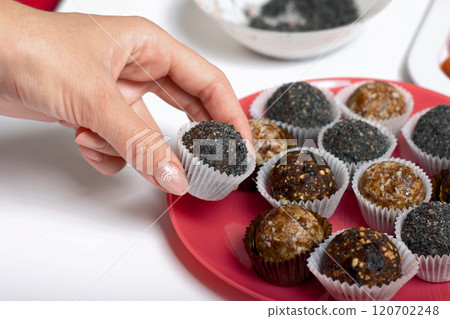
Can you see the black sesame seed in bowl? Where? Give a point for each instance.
(215, 158)
(304, 15)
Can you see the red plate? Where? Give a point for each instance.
(48, 5)
(213, 231)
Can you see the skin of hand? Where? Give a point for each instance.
(90, 73)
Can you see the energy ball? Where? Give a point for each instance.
(363, 256)
(441, 186)
(392, 185)
(268, 140)
(302, 176)
(299, 104)
(377, 101)
(219, 145)
(355, 141)
(426, 229)
(287, 231)
(432, 132)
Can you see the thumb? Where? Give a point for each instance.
(141, 144)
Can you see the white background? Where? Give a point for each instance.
(62, 224)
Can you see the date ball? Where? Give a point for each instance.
(299, 104)
(219, 145)
(377, 101)
(441, 186)
(392, 185)
(287, 231)
(426, 229)
(355, 141)
(269, 139)
(363, 256)
(432, 132)
(302, 176)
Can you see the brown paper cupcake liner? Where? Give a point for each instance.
(394, 124)
(205, 182)
(383, 218)
(352, 167)
(431, 164)
(249, 184)
(431, 268)
(284, 273)
(258, 108)
(344, 291)
(325, 207)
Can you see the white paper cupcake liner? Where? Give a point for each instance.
(383, 218)
(431, 268)
(325, 207)
(352, 167)
(394, 124)
(204, 181)
(344, 291)
(431, 164)
(258, 109)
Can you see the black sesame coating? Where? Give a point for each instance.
(355, 141)
(219, 135)
(299, 104)
(364, 256)
(313, 15)
(426, 229)
(432, 132)
(274, 8)
(302, 176)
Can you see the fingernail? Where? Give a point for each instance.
(91, 154)
(172, 178)
(90, 140)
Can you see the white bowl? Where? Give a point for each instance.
(230, 14)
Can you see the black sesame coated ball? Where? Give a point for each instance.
(426, 229)
(299, 104)
(355, 141)
(432, 132)
(219, 145)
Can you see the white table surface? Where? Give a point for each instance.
(68, 232)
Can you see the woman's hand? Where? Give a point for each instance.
(90, 73)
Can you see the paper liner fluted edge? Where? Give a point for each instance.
(352, 167)
(382, 218)
(258, 107)
(344, 291)
(394, 124)
(204, 181)
(431, 164)
(284, 273)
(325, 207)
(431, 268)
